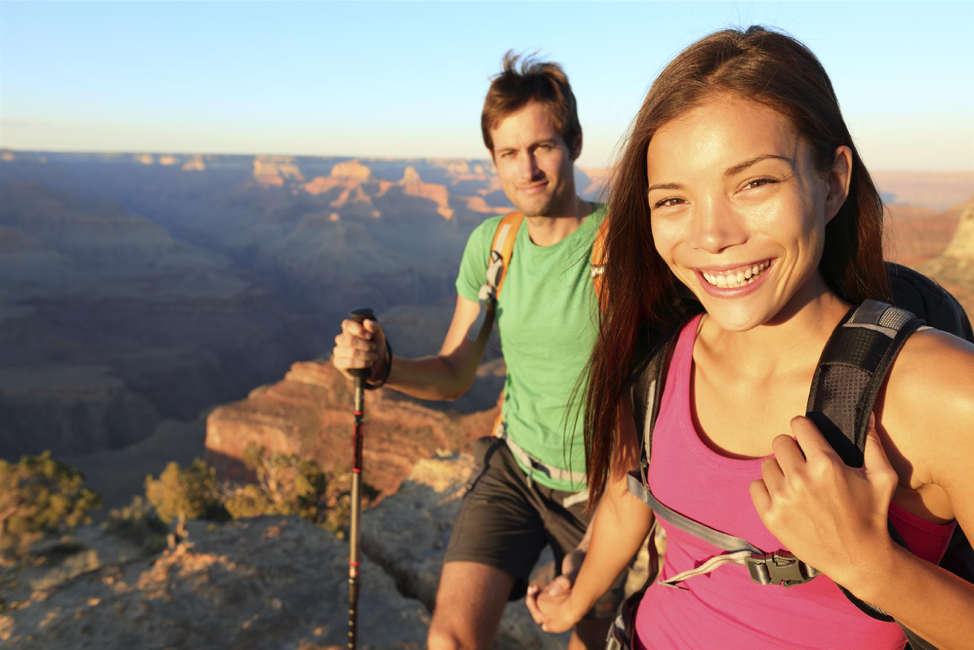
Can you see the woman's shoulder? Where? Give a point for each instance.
(932, 365)
(928, 402)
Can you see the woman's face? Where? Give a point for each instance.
(738, 210)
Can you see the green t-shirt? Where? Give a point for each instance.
(547, 315)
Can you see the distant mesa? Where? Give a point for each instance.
(274, 170)
(8, 156)
(351, 170)
(412, 185)
(145, 158)
(353, 194)
(349, 175)
(195, 164)
(166, 161)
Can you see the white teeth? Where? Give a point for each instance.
(732, 280)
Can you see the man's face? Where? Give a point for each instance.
(534, 163)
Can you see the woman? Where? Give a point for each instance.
(741, 182)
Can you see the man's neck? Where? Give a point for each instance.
(549, 230)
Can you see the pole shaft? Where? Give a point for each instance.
(355, 526)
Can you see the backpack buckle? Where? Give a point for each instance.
(778, 568)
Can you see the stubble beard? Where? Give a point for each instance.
(560, 204)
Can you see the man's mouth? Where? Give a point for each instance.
(533, 189)
(735, 277)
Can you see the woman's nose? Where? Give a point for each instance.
(714, 227)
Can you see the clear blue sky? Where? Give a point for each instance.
(407, 79)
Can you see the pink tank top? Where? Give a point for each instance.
(725, 609)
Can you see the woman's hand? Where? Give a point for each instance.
(831, 516)
(552, 607)
(549, 605)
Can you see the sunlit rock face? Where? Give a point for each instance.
(954, 269)
(308, 413)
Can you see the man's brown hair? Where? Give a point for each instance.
(539, 81)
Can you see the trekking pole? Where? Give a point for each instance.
(360, 375)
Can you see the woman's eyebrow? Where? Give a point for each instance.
(739, 167)
(664, 186)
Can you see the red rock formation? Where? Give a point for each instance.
(413, 185)
(274, 170)
(915, 234)
(309, 413)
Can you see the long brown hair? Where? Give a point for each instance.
(641, 294)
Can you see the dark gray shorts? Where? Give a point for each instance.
(505, 521)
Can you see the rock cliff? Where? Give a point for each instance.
(954, 269)
(309, 414)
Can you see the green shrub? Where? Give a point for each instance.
(40, 496)
(138, 523)
(181, 494)
(289, 485)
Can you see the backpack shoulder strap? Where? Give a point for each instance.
(852, 369)
(849, 375)
(646, 391)
(598, 260)
(501, 251)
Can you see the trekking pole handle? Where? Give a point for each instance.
(360, 315)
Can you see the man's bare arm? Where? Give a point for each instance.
(444, 376)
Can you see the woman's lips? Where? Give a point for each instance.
(735, 281)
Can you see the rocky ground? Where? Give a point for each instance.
(271, 582)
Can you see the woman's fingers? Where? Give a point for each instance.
(531, 600)
(788, 454)
(760, 497)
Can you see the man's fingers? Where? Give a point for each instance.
(349, 342)
(354, 328)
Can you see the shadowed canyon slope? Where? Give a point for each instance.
(140, 288)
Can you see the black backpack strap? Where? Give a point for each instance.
(646, 390)
(851, 371)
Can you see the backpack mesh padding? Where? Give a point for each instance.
(836, 409)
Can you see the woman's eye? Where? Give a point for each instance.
(665, 203)
(758, 182)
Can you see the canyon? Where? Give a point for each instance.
(158, 307)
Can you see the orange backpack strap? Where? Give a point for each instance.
(501, 250)
(598, 261)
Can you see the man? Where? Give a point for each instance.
(529, 489)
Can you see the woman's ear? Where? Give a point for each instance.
(838, 181)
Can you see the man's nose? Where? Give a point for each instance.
(715, 226)
(529, 169)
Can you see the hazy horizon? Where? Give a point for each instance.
(397, 80)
